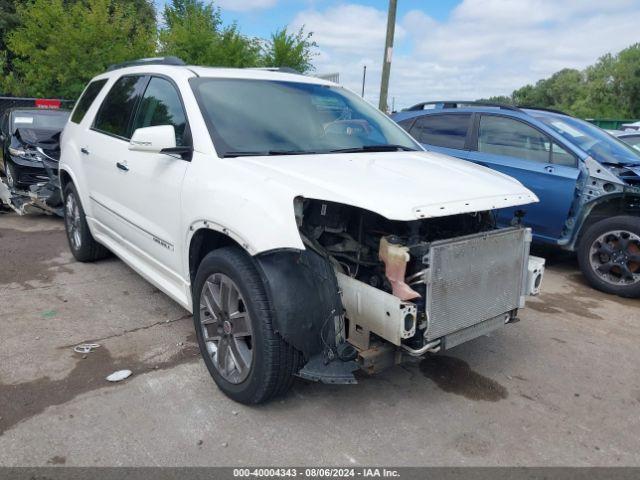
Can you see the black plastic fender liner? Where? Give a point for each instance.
(305, 297)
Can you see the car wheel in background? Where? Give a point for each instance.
(609, 255)
(248, 361)
(82, 244)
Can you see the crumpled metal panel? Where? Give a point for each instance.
(474, 278)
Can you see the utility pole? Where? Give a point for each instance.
(364, 78)
(388, 51)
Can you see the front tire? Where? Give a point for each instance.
(232, 315)
(81, 243)
(609, 255)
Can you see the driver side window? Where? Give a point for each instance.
(511, 138)
(161, 105)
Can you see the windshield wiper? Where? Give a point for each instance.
(267, 153)
(291, 152)
(385, 147)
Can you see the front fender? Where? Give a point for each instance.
(255, 211)
(305, 297)
(624, 202)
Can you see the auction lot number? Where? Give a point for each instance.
(315, 472)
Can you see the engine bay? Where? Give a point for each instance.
(390, 256)
(352, 238)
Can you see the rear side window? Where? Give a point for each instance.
(448, 130)
(116, 111)
(161, 105)
(87, 98)
(512, 138)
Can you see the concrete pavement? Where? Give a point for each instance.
(561, 387)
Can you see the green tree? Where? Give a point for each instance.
(193, 31)
(626, 74)
(60, 45)
(8, 22)
(610, 88)
(293, 50)
(190, 31)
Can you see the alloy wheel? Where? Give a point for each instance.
(615, 257)
(226, 328)
(72, 221)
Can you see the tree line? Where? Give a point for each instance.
(610, 88)
(51, 48)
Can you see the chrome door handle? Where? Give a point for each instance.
(549, 169)
(84, 150)
(122, 166)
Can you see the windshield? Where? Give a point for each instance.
(46, 120)
(258, 117)
(633, 140)
(591, 139)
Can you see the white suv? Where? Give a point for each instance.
(306, 231)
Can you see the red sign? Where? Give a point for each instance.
(47, 103)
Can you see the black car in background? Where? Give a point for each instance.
(30, 139)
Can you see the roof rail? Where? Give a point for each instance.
(460, 104)
(277, 69)
(543, 109)
(147, 61)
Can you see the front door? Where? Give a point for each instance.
(154, 180)
(521, 151)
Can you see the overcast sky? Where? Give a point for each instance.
(447, 49)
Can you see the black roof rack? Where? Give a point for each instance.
(461, 104)
(544, 109)
(147, 61)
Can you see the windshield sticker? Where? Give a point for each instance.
(23, 120)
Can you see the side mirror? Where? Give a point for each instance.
(153, 139)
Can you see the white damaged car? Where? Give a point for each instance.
(306, 231)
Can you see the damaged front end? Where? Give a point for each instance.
(376, 289)
(41, 191)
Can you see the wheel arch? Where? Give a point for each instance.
(65, 179)
(300, 284)
(624, 203)
(204, 240)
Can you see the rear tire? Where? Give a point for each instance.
(261, 364)
(82, 244)
(609, 255)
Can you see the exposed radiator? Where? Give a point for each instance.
(474, 278)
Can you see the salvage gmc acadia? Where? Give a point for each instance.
(308, 233)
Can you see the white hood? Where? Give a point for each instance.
(396, 185)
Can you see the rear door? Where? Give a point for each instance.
(442, 132)
(520, 150)
(105, 154)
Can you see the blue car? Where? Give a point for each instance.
(588, 181)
